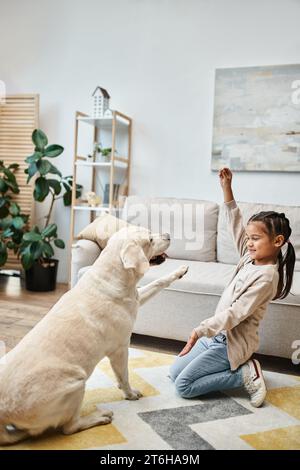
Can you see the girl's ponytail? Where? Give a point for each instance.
(286, 271)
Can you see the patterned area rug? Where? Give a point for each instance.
(162, 420)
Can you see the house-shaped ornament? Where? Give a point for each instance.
(100, 103)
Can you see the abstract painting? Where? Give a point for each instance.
(257, 119)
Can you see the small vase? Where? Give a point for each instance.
(106, 158)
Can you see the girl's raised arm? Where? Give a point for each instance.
(232, 211)
(225, 176)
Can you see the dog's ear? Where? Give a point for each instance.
(133, 257)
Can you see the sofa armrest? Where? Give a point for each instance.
(84, 253)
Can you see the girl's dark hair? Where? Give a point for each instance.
(277, 224)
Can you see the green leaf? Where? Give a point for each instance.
(49, 231)
(53, 150)
(24, 246)
(54, 170)
(6, 222)
(39, 139)
(55, 184)
(34, 157)
(48, 250)
(59, 243)
(7, 233)
(13, 186)
(78, 190)
(14, 208)
(10, 176)
(41, 190)
(67, 198)
(18, 223)
(31, 170)
(43, 166)
(32, 237)
(14, 166)
(68, 179)
(27, 260)
(106, 151)
(3, 201)
(36, 249)
(3, 186)
(68, 183)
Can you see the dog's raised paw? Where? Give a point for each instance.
(182, 271)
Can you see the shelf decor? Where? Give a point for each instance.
(105, 182)
(101, 103)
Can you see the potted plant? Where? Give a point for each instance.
(12, 221)
(105, 153)
(37, 246)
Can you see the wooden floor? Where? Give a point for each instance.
(20, 310)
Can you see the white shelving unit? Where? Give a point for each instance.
(115, 133)
(103, 165)
(106, 122)
(101, 208)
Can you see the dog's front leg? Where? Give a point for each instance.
(148, 291)
(119, 363)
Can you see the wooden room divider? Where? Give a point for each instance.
(19, 116)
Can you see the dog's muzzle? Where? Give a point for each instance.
(159, 259)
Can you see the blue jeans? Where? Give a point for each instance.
(205, 369)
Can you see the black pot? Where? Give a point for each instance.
(41, 277)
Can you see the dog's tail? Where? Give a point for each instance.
(11, 435)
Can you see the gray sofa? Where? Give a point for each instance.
(201, 240)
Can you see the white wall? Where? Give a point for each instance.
(157, 60)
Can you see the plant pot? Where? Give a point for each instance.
(41, 277)
(103, 158)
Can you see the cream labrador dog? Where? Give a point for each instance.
(42, 381)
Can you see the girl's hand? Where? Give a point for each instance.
(191, 342)
(225, 176)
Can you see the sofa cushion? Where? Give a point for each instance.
(101, 229)
(191, 223)
(84, 252)
(226, 250)
(204, 278)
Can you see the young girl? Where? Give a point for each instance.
(217, 354)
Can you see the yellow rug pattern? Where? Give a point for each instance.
(148, 422)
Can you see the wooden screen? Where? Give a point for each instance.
(19, 116)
